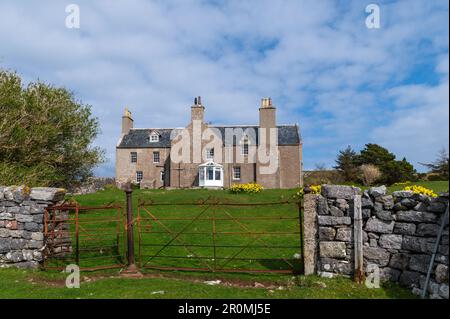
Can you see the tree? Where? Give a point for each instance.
(369, 174)
(441, 165)
(392, 170)
(398, 171)
(45, 135)
(346, 164)
(376, 155)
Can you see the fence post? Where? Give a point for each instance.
(131, 269)
(358, 239)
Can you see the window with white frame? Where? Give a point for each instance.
(154, 137)
(210, 173)
(139, 176)
(210, 153)
(155, 157)
(133, 157)
(162, 176)
(236, 172)
(244, 147)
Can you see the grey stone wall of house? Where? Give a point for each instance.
(399, 233)
(22, 211)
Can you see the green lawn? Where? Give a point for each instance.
(16, 283)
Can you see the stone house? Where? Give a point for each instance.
(205, 155)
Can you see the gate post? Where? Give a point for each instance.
(310, 231)
(131, 270)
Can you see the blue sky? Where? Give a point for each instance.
(343, 83)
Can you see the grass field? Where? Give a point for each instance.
(38, 284)
(99, 240)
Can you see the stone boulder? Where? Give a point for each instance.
(419, 263)
(322, 206)
(47, 194)
(376, 255)
(340, 191)
(391, 241)
(399, 261)
(379, 226)
(427, 230)
(405, 228)
(333, 220)
(441, 273)
(327, 233)
(386, 200)
(417, 217)
(403, 194)
(332, 249)
(344, 234)
(378, 191)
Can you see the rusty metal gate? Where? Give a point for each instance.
(220, 236)
(91, 237)
(208, 235)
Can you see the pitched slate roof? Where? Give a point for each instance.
(139, 138)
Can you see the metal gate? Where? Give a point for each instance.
(220, 236)
(208, 235)
(91, 237)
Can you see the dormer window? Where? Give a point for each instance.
(210, 153)
(154, 137)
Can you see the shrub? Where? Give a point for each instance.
(421, 190)
(320, 177)
(369, 174)
(436, 177)
(249, 188)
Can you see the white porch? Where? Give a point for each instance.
(210, 174)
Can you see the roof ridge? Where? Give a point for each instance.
(153, 128)
(250, 125)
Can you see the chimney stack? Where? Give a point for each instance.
(267, 112)
(197, 110)
(127, 122)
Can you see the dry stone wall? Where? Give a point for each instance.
(399, 234)
(22, 224)
(401, 231)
